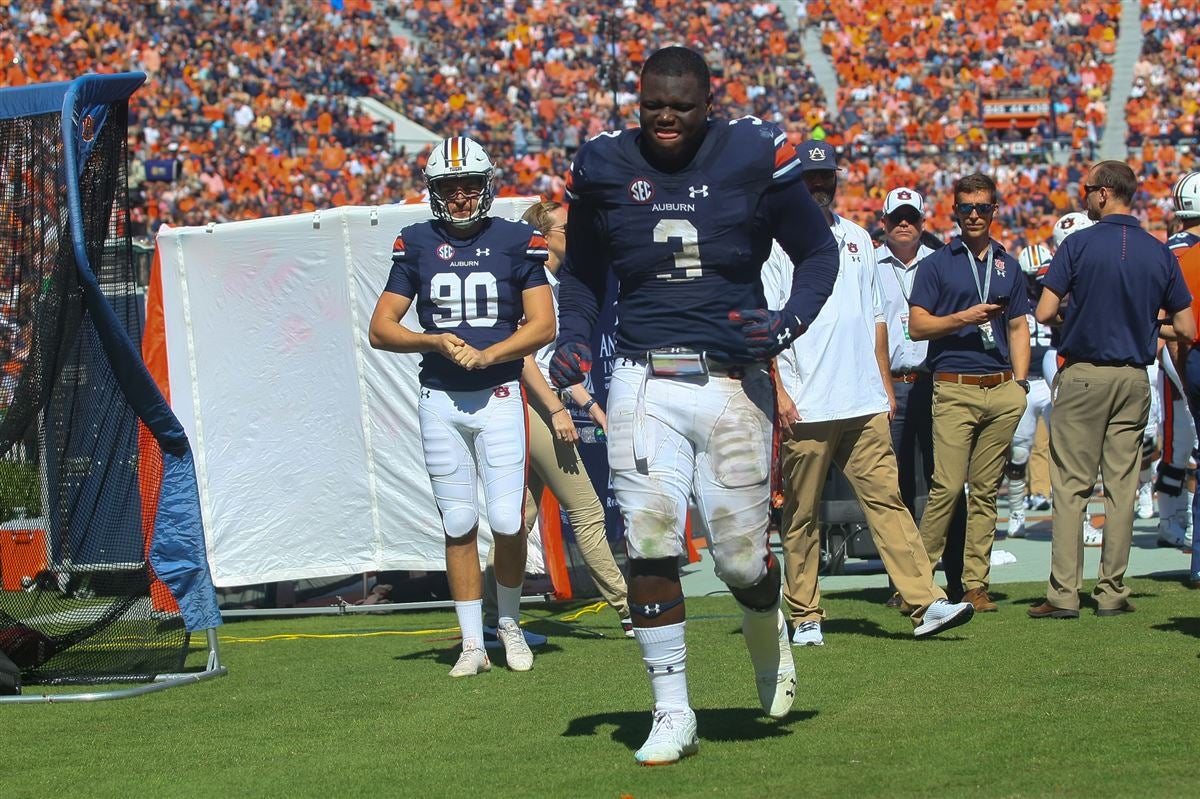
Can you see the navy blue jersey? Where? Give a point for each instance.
(687, 247)
(469, 287)
(1041, 337)
(1182, 240)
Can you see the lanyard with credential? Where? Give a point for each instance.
(985, 289)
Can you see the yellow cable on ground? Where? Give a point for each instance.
(231, 639)
(596, 608)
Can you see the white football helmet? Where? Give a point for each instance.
(458, 157)
(1186, 195)
(1068, 224)
(1034, 258)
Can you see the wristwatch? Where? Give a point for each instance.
(587, 406)
(1024, 384)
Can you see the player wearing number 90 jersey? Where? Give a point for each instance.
(469, 287)
(472, 277)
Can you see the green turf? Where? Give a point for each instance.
(1005, 706)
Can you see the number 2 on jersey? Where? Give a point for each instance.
(687, 259)
(473, 299)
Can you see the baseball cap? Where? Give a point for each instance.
(902, 196)
(816, 154)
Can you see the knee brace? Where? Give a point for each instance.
(1014, 470)
(653, 610)
(1170, 479)
(764, 594)
(1149, 451)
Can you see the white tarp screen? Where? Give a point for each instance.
(307, 448)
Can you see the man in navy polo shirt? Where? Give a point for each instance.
(1119, 277)
(969, 302)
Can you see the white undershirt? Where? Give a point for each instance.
(896, 280)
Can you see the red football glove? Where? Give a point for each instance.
(767, 333)
(570, 364)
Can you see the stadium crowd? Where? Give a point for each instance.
(912, 79)
(252, 103)
(1163, 110)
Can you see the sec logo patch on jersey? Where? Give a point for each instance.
(641, 190)
(445, 252)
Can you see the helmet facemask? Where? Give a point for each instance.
(440, 201)
(461, 161)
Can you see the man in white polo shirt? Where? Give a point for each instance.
(912, 384)
(833, 407)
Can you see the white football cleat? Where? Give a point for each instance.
(472, 661)
(942, 615)
(1145, 501)
(808, 633)
(774, 671)
(1092, 536)
(517, 653)
(1016, 524)
(1037, 502)
(672, 738)
(1173, 532)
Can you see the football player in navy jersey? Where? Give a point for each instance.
(1178, 427)
(1185, 197)
(472, 278)
(683, 210)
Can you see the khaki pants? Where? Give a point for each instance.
(862, 448)
(1099, 415)
(557, 465)
(1039, 461)
(972, 430)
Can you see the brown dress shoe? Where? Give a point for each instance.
(1048, 611)
(893, 601)
(979, 598)
(1120, 610)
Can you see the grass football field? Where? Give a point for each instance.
(347, 707)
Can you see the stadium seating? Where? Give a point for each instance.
(245, 112)
(911, 80)
(1163, 110)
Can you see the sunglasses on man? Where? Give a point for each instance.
(966, 209)
(905, 213)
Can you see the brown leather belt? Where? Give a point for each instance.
(904, 377)
(983, 381)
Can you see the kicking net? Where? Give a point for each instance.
(80, 472)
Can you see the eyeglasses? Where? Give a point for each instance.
(966, 209)
(1088, 188)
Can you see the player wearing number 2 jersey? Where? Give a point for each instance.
(683, 210)
(472, 278)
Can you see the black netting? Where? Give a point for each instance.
(78, 473)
